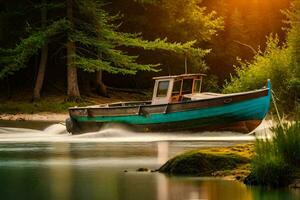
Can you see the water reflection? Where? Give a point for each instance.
(54, 165)
(162, 187)
(60, 178)
(162, 152)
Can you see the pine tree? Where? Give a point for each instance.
(186, 19)
(34, 40)
(89, 31)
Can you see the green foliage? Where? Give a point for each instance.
(210, 84)
(49, 6)
(12, 60)
(293, 38)
(180, 21)
(297, 111)
(276, 158)
(188, 15)
(278, 63)
(272, 63)
(100, 43)
(287, 142)
(275, 64)
(272, 171)
(129, 66)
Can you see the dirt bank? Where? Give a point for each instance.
(44, 116)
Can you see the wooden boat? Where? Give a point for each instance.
(178, 104)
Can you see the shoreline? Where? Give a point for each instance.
(42, 116)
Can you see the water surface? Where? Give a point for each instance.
(42, 161)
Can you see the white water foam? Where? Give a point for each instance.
(117, 133)
(56, 129)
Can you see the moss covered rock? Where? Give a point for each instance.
(203, 163)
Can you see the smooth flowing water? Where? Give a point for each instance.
(42, 161)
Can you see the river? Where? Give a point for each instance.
(41, 161)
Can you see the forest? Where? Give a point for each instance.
(78, 48)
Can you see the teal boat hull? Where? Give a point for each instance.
(241, 112)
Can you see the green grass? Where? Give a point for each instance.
(287, 142)
(268, 167)
(276, 160)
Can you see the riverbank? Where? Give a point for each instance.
(44, 116)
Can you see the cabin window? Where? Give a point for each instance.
(197, 86)
(176, 88)
(187, 86)
(162, 89)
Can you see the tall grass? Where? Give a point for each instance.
(269, 167)
(275, 159)
(287, 142)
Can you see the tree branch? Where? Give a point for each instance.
(246, 45)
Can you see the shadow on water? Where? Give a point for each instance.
(49, 163)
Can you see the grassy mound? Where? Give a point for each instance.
(210, 162)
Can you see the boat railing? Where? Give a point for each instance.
(125, 104)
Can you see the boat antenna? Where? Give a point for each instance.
(185, 65)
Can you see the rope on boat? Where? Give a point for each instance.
(276, 108)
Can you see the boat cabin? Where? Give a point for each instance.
(172, 89)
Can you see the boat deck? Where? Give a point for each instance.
(192, 97)
(204, 95)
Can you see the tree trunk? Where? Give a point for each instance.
(41, 73)
(100, 86)
(43, 61)
(73, 90)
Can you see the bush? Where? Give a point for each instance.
(274, 63)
